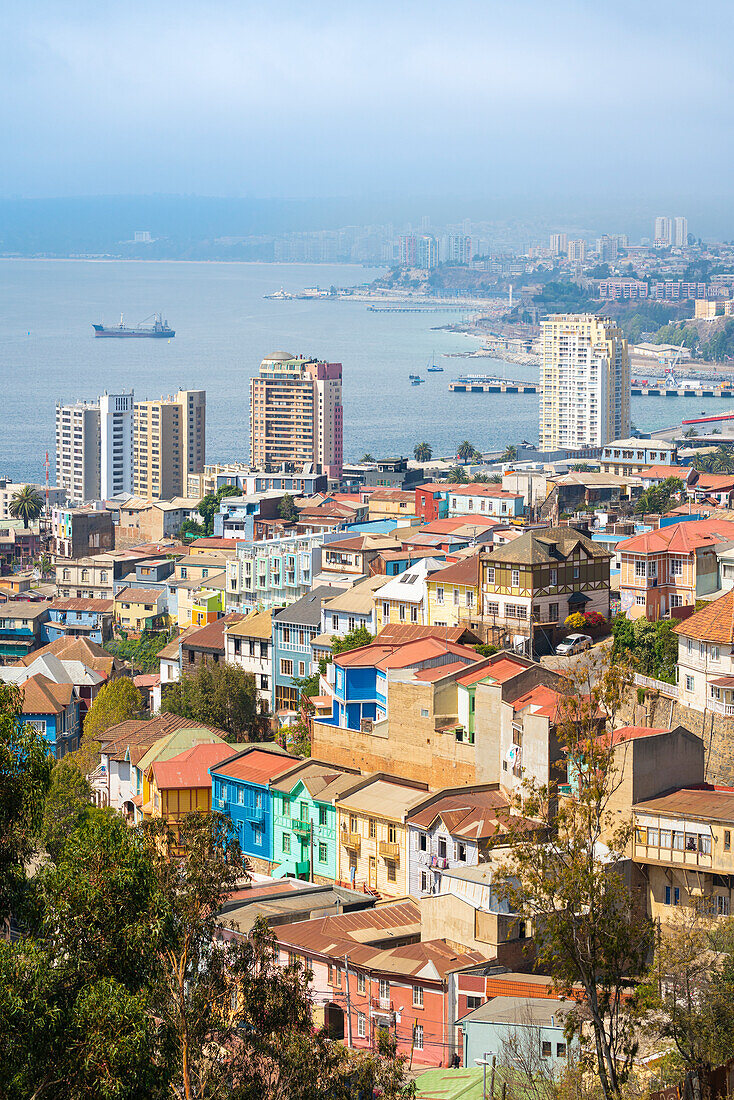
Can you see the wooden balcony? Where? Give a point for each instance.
(352, 841)
(389, 850)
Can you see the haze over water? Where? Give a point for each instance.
(224, 327)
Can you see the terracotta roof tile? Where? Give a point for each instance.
(257, 765)
(43, 696)
(680, 537)
(139, 595)
(713, 623)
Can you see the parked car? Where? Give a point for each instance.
(574, 643)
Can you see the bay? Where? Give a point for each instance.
(224, 327)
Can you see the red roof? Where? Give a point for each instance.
(631, 733)
(714, 482)
(209, 543)
(681, 537)
(499, 669)
(258, 765)
(428, 675)
(191, 767)
(683, 472)
(544, 700)
(139, 595)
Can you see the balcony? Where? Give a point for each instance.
(255, 814)
(672, 857)
(352, 841)
(388, 850)
(718, 707)
(301, 828)
(382, 1003)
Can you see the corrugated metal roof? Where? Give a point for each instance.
(691, 802)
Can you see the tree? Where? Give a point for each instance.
(367, 457)
(465, 451)
(651, 647)
(209, 505)
(588, 932)
(67, 805)
(658, 498)
(355, 639)
(44, 564)
(223, 696)
(27, 505)
(690, 433)
(423, 452)
(116, 701)
(509, 454)
(141, 653)
(457, 476)
(25, 775)
(287, 509)
(191, 529)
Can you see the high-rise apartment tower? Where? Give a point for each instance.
(584, 382)
(170, 443)
(680, 232)
(296, 413)
(116, 443)
(78, 450)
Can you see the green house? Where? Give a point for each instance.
(304, 819)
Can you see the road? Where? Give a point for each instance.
(593, 658)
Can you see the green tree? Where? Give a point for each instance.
(457, 476)
(465, 451)
(690, 433)
(367, 457)
(27, 505)
(191, 529)
(423, 452)
(287, 509)
(355, 639)
(509, 454)
(67, 805)
(141, 653)
(659, 498)
(588, 933)
(116, 701)
(652, 648)
(223, 696)
(25, 775)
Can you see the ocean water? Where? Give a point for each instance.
(224, 327)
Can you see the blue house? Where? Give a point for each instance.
(535, 1024)
(241, 789)
(294, 628)
(74, 618)
(53, 710)
(149, 574)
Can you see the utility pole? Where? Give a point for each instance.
(349, 1002)
(310, 851)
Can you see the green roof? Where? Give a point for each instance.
(450, 1084)
(178, 741)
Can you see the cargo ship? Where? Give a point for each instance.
(159, 329)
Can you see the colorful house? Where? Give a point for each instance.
(53, 710)
(294, 628)
(373, 836)
(241, 789)
(304, 819)
(165, 748)
(403, 599)
(75, 618)
(182, 785)
(453, 593)
(139, 609)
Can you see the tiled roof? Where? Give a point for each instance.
(500, 668)
(139, 733)
(258, 624)
(682, 472)
(211, 636)
(471, 814)
(178, 740)
(190, 768)
(630, 733)
(548, 545)
(714, 482)
(97, 607)
(257, 765)
(680, 538)
(430, 675)
(139, 595)
(465, 572)
(43, 696)
(542, 700)
(398, 633)
(713, 623)
(89, 653)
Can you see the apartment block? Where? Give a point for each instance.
(584, 382)
(170, 443)
(78, 456)
(116, 443)
(296, 413)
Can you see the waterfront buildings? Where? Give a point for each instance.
(637, 456)
(584, 382)
(78, 450)
(170, 443)
(116, 443)
(296, 413)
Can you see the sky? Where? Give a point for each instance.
(518, 99)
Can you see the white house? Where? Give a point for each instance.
(248, 644)
(706, 657)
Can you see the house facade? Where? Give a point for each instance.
(248, 644)
(276, 572)
(294, 629)
(75, 618)
(53, 711)
(706, 658)
(453, 593)
(485, 500)
(182, 785)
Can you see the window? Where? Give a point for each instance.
(417, 996)
(640, 601)
(391, 875)
(301, 668)
(677, 601)
(439, 595)
(714, 653)
(418, 1036)
(240, 796)
(322, 815)
(385, 609)
(469, 599)
(722, 906)
(490, 574)
(672, 895)
(472, 1003)
(576, 572)
(414, 614)
(553, 612)
(442, 847)
(546, 1049)
(352, 823)
(371, 828)
(653, 569)
(515, 583)
(286, 667)
(560, 1050)
(361, 1025)
(257, 836)
(384, 990)
(461, 853)
(676, 567)
(554, 576)
(492, 608)
(361, 983)
(401, 612)
(727, 840)
(457, 597)
(424, 882)
(287, 843)
(641, 568)
(392, 834)
(689, 683)
(323, 856)
(424, 712)
(422, 842)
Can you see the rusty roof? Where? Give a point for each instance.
(43, 696)
(211, 636)
(139, 735)
(257, 765)
(191, 767)
(73, 604)
(475, 815)
(139, 595)
(704, 801)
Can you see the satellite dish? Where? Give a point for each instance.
(513, 754)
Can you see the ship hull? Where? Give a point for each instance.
(112, 335)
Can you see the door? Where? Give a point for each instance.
(373, 873)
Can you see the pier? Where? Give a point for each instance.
(483, 384)
(421, 309)
(682, 391)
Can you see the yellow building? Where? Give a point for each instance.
(170, 443)
(373, 836)
(200, 602)
(391, 504)
(139, 609)
(402, 599)
(584, 382)
(182, 785)
(453, 593)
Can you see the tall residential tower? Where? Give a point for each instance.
(170, 443)
(78, 450)
(584, 382)
(296, 413)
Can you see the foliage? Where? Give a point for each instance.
(575, 622)
(367, 457)
(423, 452)
(355, 639)
(465, 451)
(116, 701)
(25, 775)
(720, 346)
(588, 933)
(67, 805)
(27, 505)
(223, 696)
(209, 505)
(594, 620)
(287, 509)
(141, 653)
(191, 529)
(457, 476)
(658, 498)
(678, 334)
(651, 647)
(509, 454)
(487, 650)
(558, 297)
(720, 461)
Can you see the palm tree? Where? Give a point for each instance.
(423, 452)
(465, 451)
(367, 457)
(477, 456)
(722, 461)
(495, 479)
(27, 504)
(457, 476)
(716, 431)
(690, 433)
(509, 454)
(44, 564)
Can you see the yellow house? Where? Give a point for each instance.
(391, 504)
(373, 836)
(140, 609)
(452, 594)
(199, 601)
(182, 785)
(181, 738)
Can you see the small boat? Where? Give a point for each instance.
(417, 380)
(434, 370)
(413, 376)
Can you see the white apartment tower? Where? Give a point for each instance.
(663, 232)
(116, 443)
(78, 450)
(584, 383)
(559, 244)
(680, 232)
(577, 250)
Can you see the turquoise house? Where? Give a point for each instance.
(533, 1024)
(304, 819)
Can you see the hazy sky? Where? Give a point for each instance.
(320, 98)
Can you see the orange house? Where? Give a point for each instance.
(182, 785)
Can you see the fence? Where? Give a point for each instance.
(671, 690)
